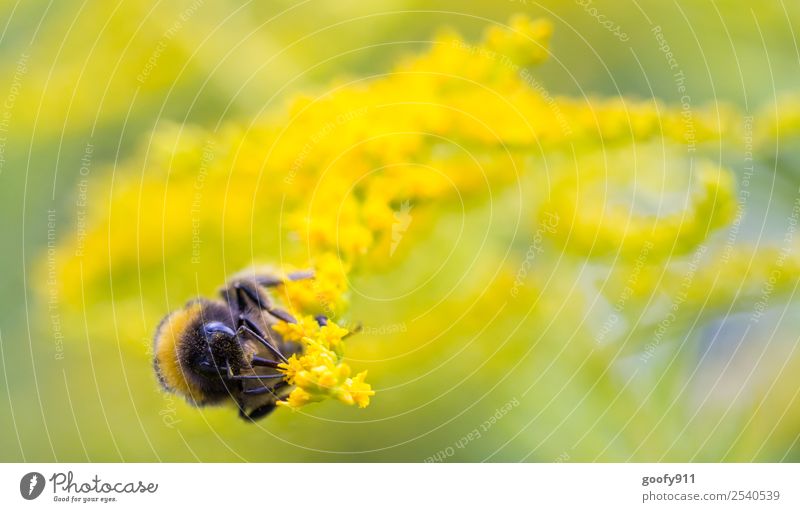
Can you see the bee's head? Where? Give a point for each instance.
(218, 348)
(194, 346)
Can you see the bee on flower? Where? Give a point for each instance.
(247, 349)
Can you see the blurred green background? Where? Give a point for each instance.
(72, 80)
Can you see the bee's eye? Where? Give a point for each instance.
(216, 328)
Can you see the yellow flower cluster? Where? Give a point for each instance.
(456, 122)
(319, 372)
(325, 294)
(436, 127)
(446, 125)
(333, 175)
(777, 123)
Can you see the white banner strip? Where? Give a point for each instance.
(408, 487)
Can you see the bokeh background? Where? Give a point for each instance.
(464, 370)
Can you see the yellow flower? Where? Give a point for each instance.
(297, 398)
(332, 335)
(357, 391)
(325, 294)
(319, 372)
(306, 326)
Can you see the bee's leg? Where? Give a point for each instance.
(255, 377)
(261, 361)
(281, 314)
(260, 411)
(237, 377)
(250, 328)
(242, 292)
(270, 281)
(244, 289)
(266, 389)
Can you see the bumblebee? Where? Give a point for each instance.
(215, 351)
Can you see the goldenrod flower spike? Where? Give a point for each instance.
(319, 372)
(593, 221)
(454, 124)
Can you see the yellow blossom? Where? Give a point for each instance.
(325, 294)
(297, 398)
(319, 372)
(306, 326)
(357, 391)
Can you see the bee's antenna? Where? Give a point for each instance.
(357, 329)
